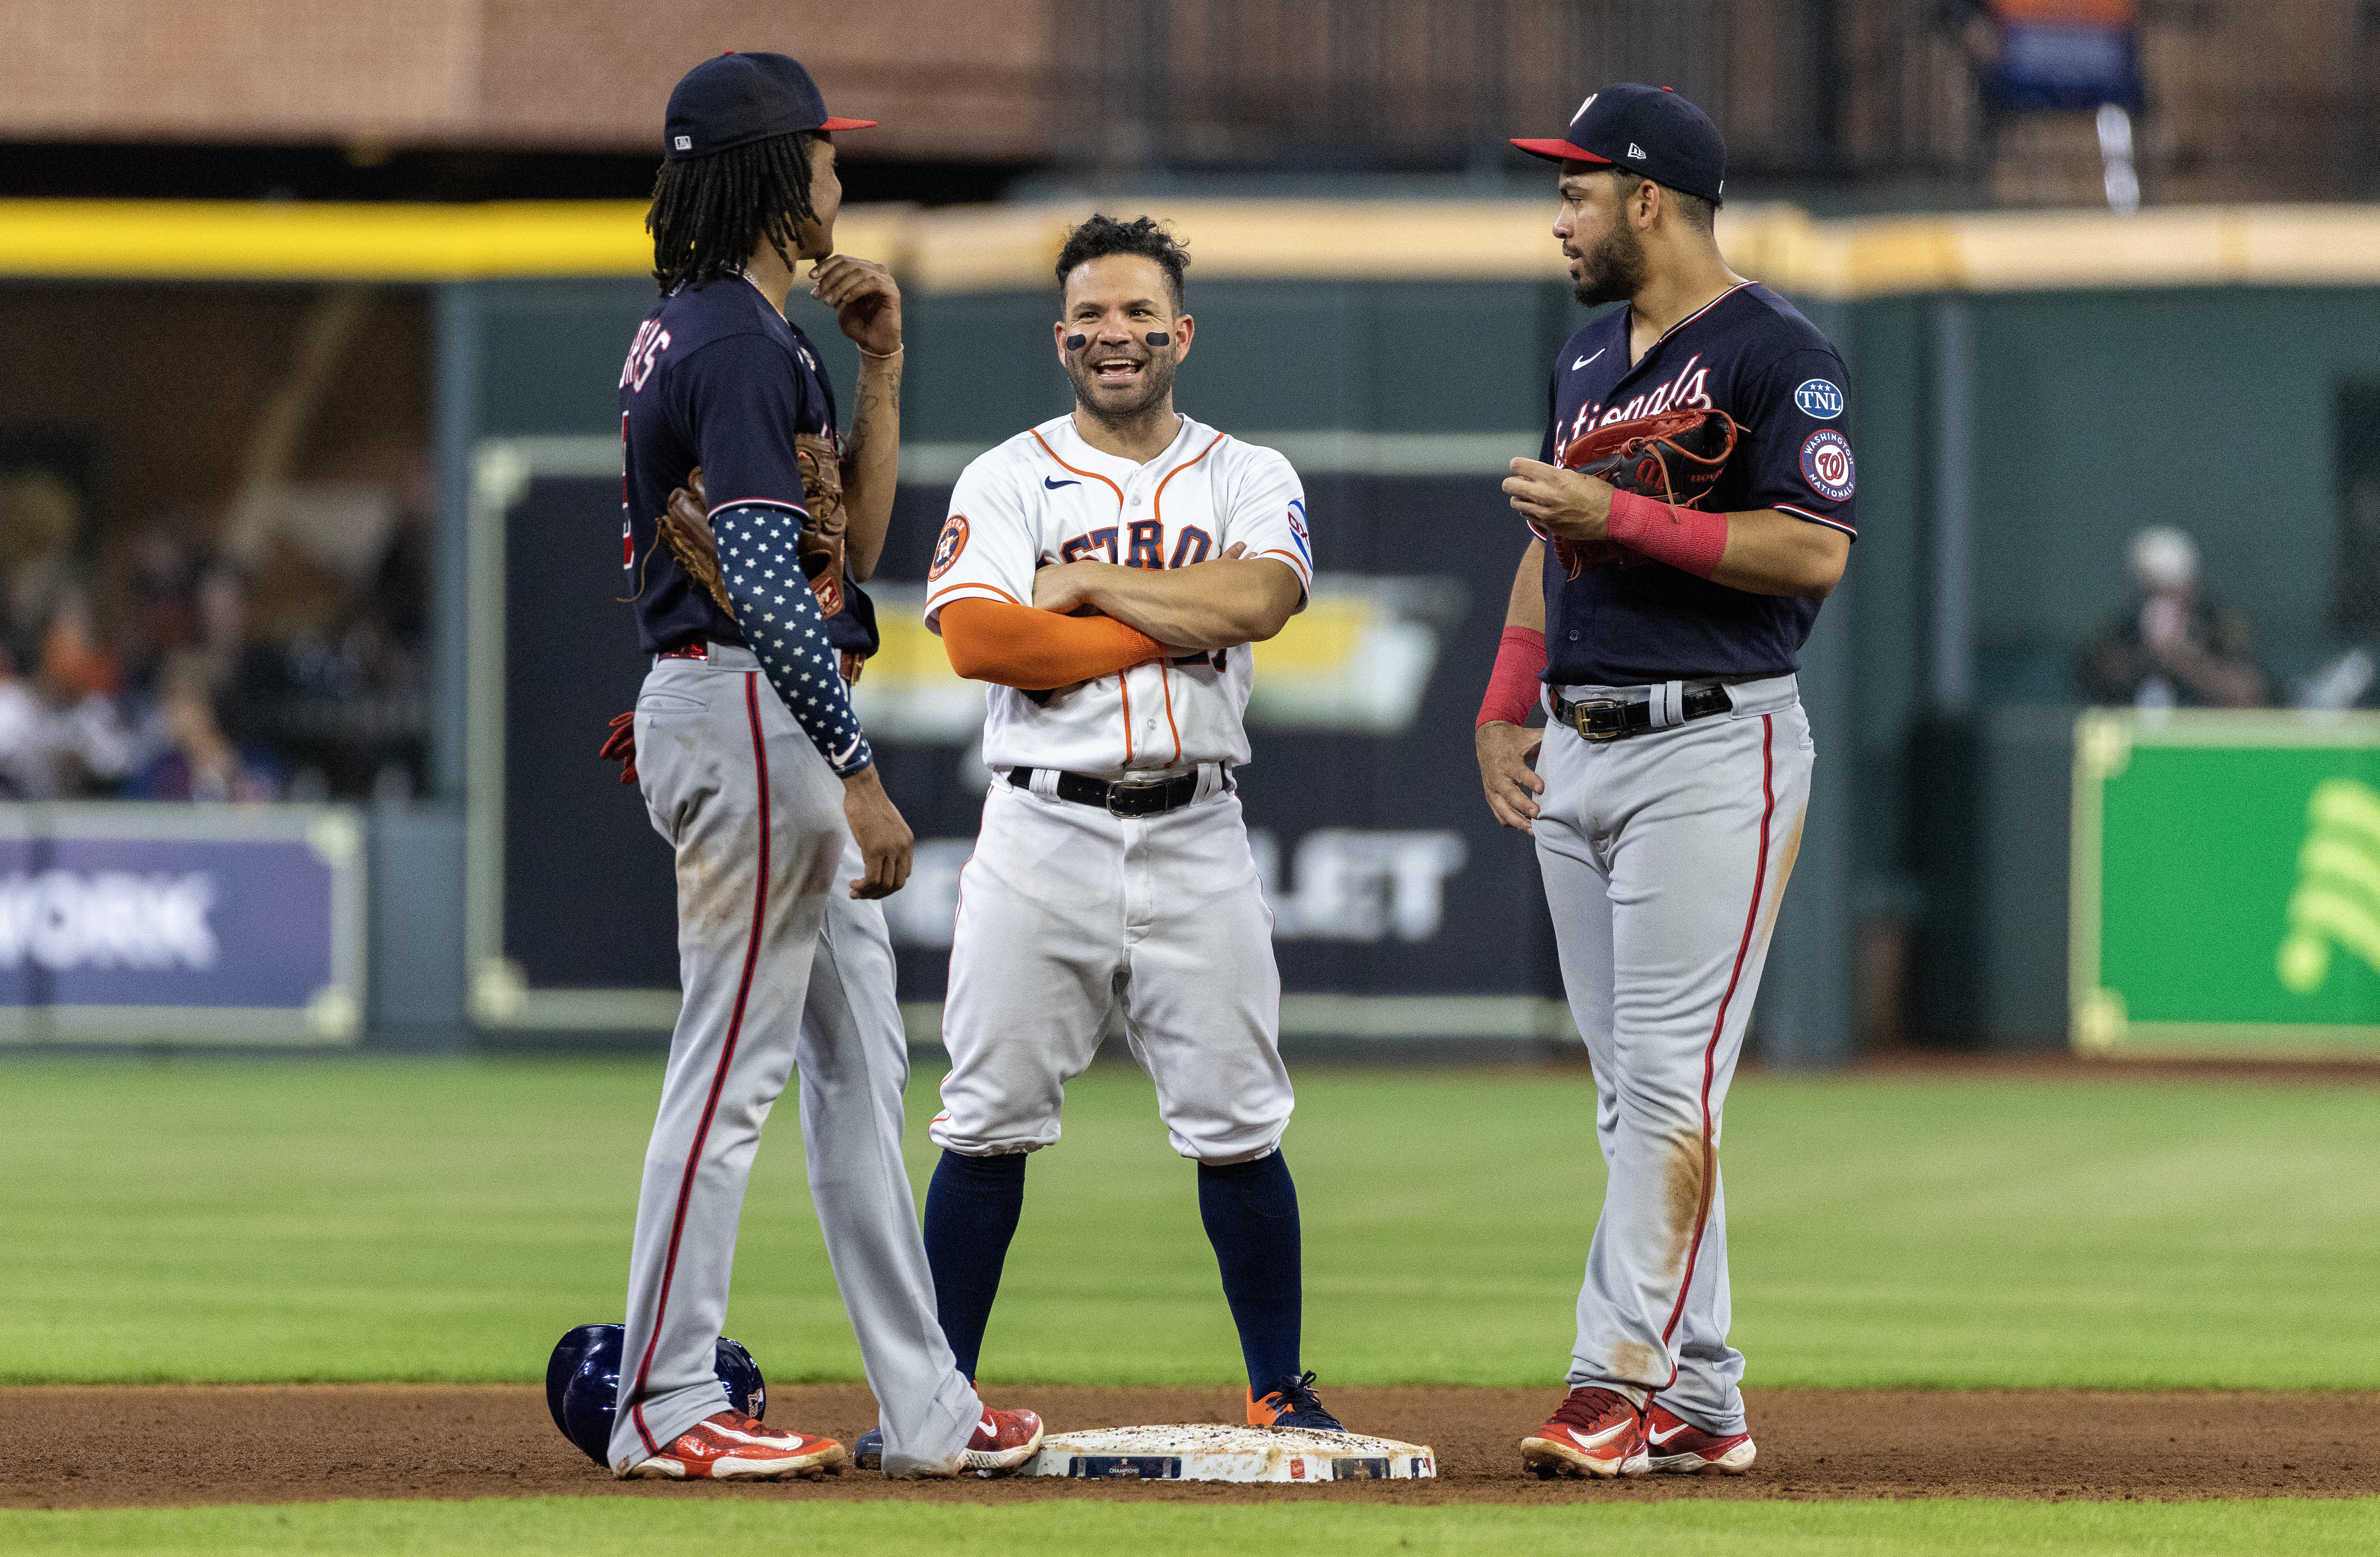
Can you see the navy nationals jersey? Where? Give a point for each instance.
(716, 378)
(1747, 353)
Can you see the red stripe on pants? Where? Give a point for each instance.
(726, 1058)
(1710, 1050)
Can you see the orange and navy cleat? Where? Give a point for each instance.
(1292, 1403)
(1594, 1432)
(1680, 1448)
(731, 1446)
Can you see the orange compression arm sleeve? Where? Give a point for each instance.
(1036, 650)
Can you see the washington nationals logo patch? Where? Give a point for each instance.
(1826, 464)
(953, 541)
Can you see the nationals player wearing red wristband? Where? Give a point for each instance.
(1667, 794)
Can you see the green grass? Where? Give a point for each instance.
(643, 1527)
(372, 1220)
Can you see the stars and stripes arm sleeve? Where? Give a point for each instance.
(779, 618)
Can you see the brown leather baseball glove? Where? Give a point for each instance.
(686, 525)
(822, 553)
(1676, 456)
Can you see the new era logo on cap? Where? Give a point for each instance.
(740, 98)
(1660, 134)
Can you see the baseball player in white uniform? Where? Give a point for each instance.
(1106, 571)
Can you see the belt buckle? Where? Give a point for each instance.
(1579, 712)
(1136, 788)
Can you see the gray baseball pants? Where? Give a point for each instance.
(1665, 857)
(780, 967)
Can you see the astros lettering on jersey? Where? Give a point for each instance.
(1046, 497)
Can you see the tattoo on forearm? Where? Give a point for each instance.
(875, 397)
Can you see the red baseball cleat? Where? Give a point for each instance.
(1680, 1448)
(731, 1446)
(1595, 1432)
(1003, 1442)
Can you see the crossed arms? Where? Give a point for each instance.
(1095, 619)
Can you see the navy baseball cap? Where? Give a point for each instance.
(737, 99)
(1648, 130)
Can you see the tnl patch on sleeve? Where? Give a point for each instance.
(1819, 398)
(1826, 464)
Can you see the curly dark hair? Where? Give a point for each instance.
(1103, 235)
(709, 213)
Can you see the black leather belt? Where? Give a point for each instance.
(1612, 719)
(1125, 799)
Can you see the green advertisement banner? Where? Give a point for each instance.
(2227, 882)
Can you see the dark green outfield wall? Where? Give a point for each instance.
(2098, 413)
(2095, 413)
(1383, 357)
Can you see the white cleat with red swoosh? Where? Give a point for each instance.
(731, 1446)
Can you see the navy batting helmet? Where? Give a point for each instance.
(582, 1385)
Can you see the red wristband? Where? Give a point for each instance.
(1690, 538)
(1512, 685)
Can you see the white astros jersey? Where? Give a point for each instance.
(1046, 496)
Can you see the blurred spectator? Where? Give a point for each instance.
(2172, 648)
(298, 673)
(2340, 683)
(60, 733)
(200, 762)
(248, 679)
(163, 614)
(39, 523)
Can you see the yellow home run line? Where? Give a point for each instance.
(1001, 249)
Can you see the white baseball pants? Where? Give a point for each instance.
(1065, 910)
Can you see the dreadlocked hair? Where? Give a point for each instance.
(710, 214)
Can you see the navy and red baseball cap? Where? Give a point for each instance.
(1648, 130)
(737, 99)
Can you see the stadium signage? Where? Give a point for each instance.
(180, 923)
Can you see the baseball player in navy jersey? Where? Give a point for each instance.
(1105, 573)
(1667, 794)
(753, 767)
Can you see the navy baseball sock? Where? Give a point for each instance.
(1250, 1209)
(971, 1210)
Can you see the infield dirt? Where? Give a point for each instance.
(94, 1446)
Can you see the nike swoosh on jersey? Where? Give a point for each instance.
(1585, 360)
(1053, 486)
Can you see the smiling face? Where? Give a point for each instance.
(1607, 256)
(1114, 303)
